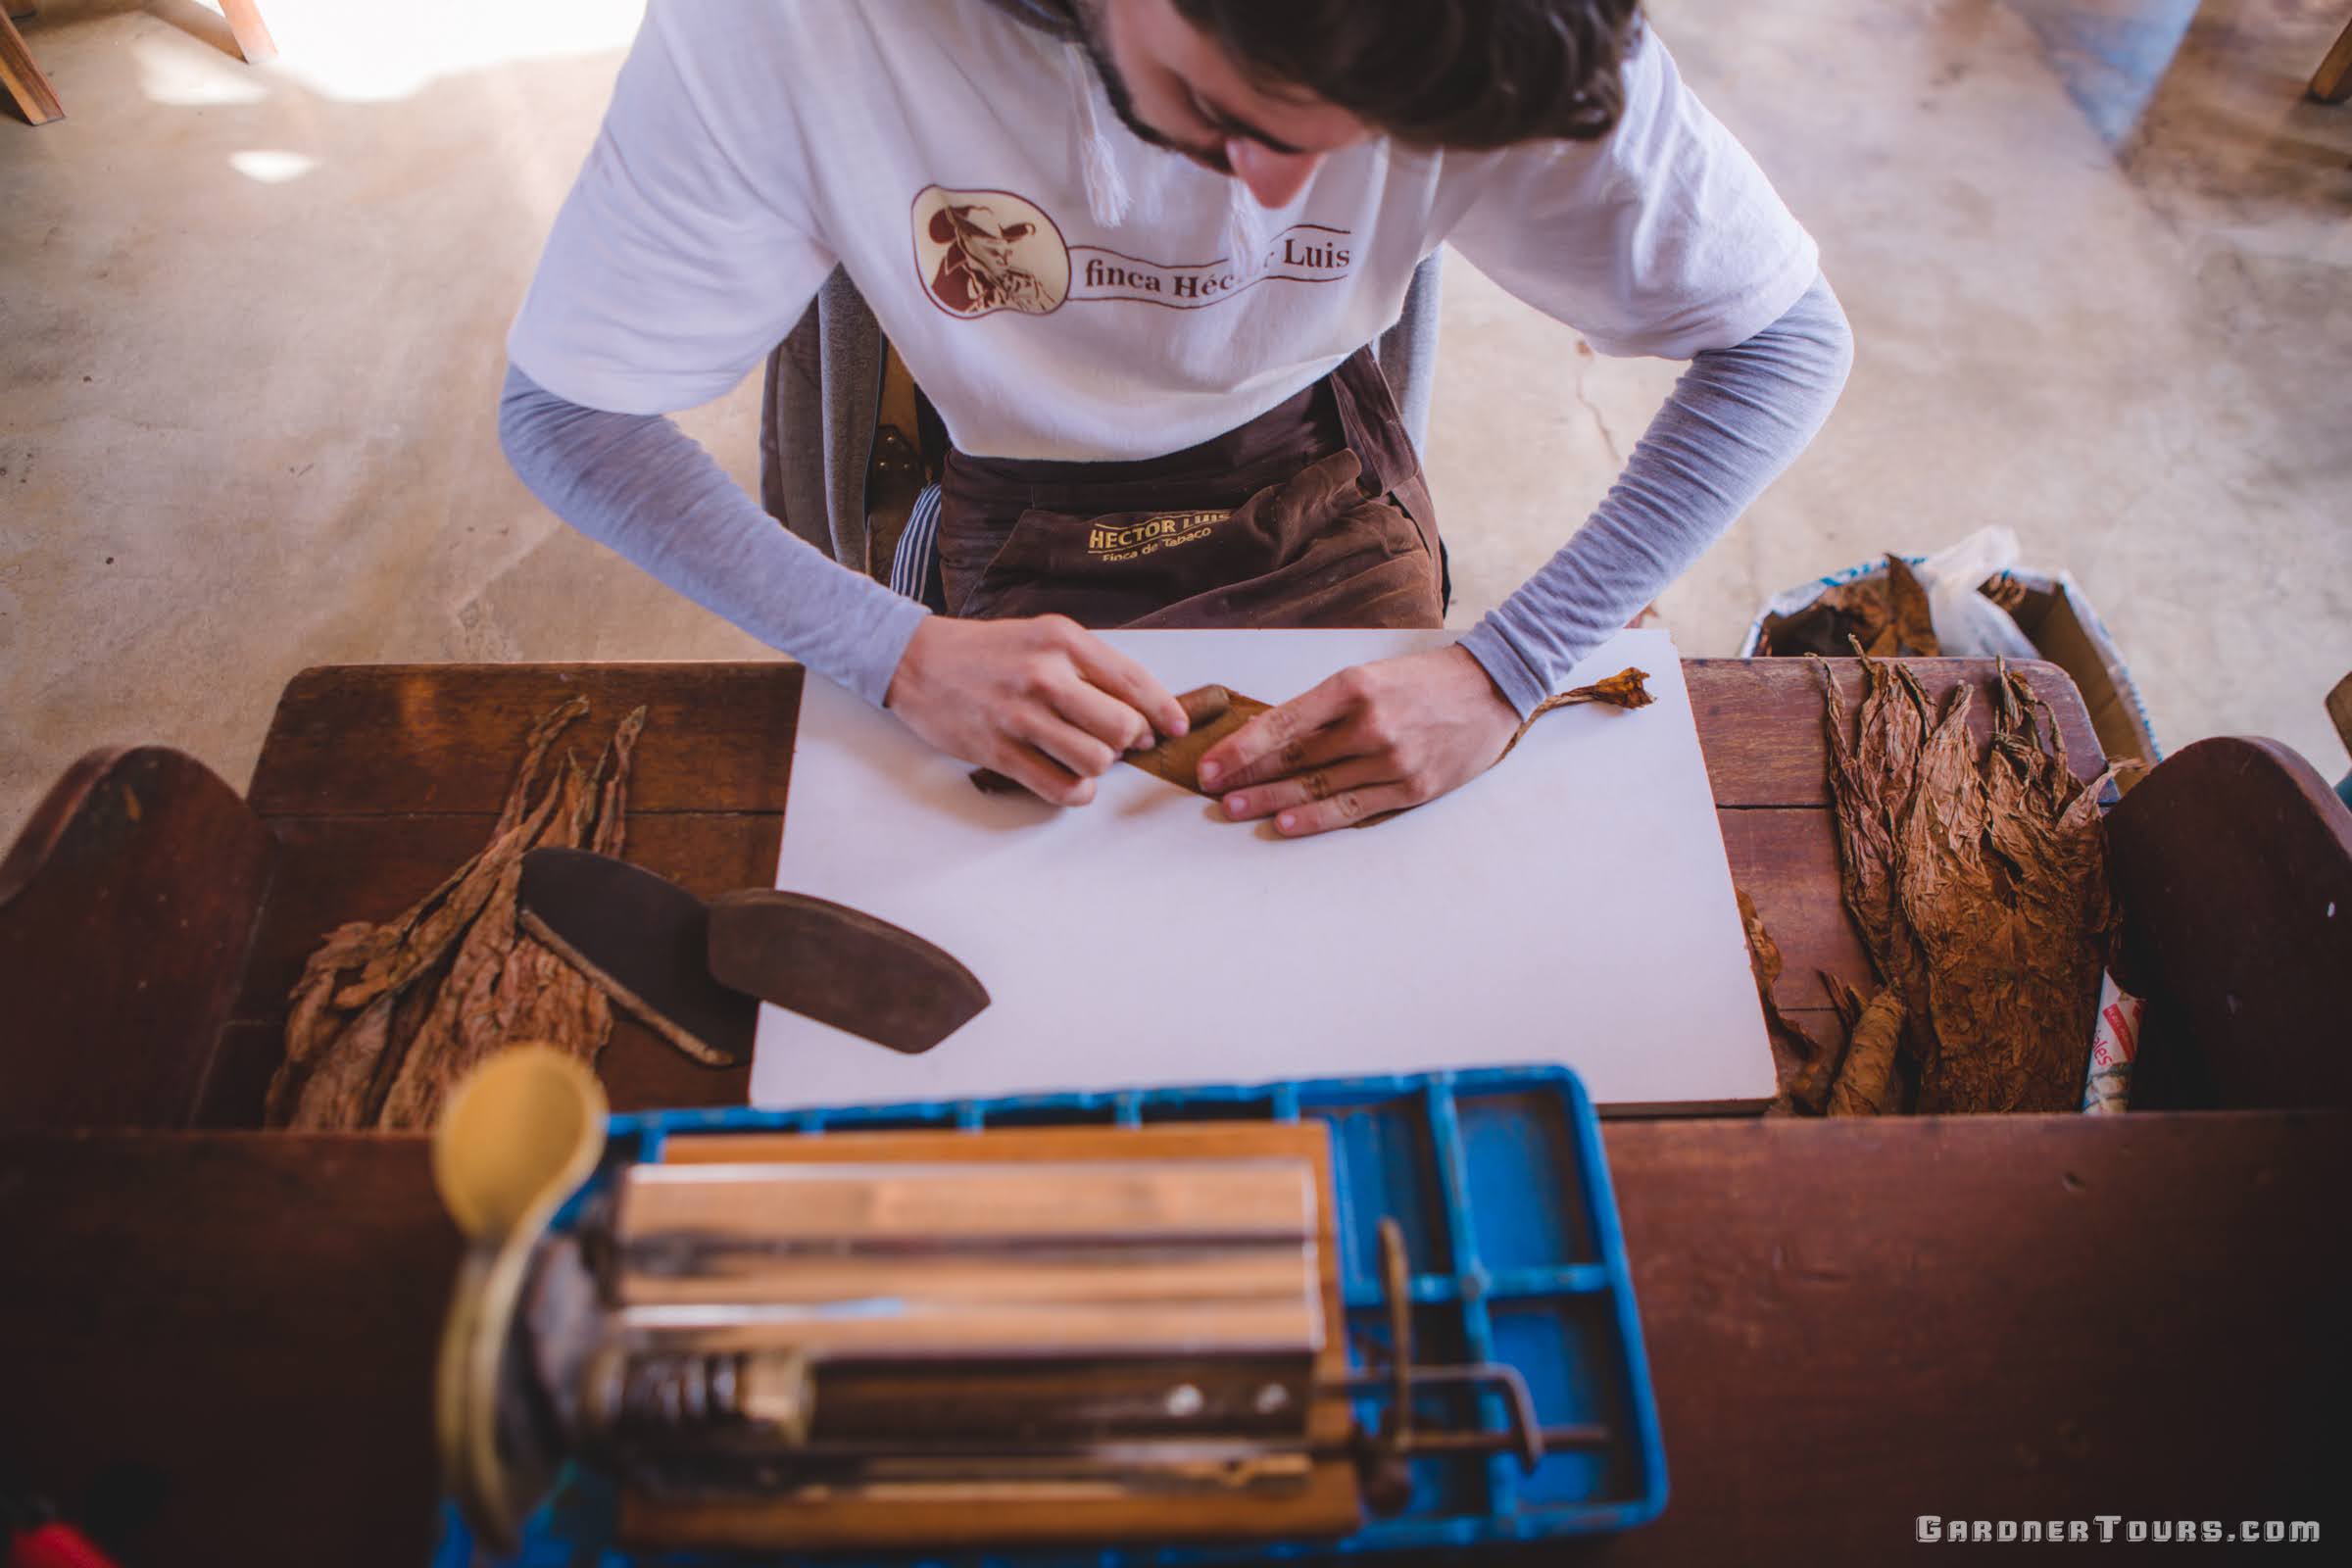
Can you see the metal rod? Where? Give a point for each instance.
(1531, 1440)
(1554, 1438)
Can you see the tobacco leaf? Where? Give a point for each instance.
(461, 1029)
(1872, 1030)
(611, 826)
(1978, 886)
(1628, 688)
(2005, 911)
(403, 946)
(1883, 615)
(1861, 604)
(1848, 614)
(1177, 761)
(385, 1018)
(1872, 776)
(1907, 612)
(2004, 590)
(312, 1018)
(2048, 841)
(1804, 1065)
(1950, 899)
(1211, 713)
(348, 1085)
(341, 1079)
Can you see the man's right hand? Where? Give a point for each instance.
(1045, 702)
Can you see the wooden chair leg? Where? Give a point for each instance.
(253, 35)
(2332, 82)
(23, 79)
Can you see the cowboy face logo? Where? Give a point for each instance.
(978, 252)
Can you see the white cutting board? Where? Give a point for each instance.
(1572, 905)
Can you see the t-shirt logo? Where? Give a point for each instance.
(983, 251)
(978, 252)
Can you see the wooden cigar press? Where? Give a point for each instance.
(904, 1340)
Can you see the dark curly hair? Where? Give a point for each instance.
(1468, 74)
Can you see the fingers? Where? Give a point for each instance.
(1042, 701)
(1345, 808)
(1083, 754)
(1104, 718)
(1122, 677)
(1043, 776)
(1311, 784)
(1286, 739)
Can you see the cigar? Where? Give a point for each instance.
(1203, 705)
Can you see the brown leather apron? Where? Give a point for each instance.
(1312, 514)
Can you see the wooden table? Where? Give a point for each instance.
(1849, 1324)
(376, 780)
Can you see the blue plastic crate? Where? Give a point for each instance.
(1497, 1177)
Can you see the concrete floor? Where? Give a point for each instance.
(2096, 253)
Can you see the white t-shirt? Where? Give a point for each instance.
(935, 149)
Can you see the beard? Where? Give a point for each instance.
(1095, 45)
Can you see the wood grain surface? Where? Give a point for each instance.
(1759, 719)
(126, 908)
(2233, 864)
(1850, 1325)
(232, 1333)
(378, 780)
(396, 739)
(21, 79)
(2025, 1317)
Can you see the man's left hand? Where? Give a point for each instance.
(1373, 738)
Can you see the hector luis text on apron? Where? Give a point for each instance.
(1134, 253)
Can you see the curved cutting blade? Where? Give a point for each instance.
(841, 966)
(688, 967)
(642, 938)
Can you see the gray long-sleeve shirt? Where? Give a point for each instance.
(643, 487)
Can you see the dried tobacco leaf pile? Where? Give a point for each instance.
(1885, 615)
(386, 1018)
(1978, 886)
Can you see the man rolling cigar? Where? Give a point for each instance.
(1134, 252)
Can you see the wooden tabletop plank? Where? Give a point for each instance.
(1759, 721)
(638, 1069)
(245, 1323)
(1849, 1324)
(374, 739)
(642, 1071)
(1786, 861)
